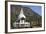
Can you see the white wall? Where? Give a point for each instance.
(2, 17)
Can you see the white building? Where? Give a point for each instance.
(21, 19)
